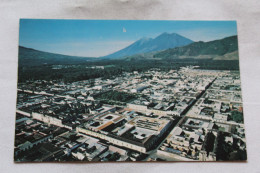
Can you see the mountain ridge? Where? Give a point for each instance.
(207, 50)
(33, 57)
(221, 49)
(144, 45)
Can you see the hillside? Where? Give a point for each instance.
(223, 49)
(144, 45)
(31, 57)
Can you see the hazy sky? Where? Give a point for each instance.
(93, 38)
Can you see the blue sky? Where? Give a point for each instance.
(94, 38)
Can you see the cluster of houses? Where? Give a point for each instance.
(195, 138)
(92, 129)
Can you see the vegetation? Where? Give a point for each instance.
(216, 47)
(226, 151)
(116, 96)
(112, 157)
(237, 116)
(38, 65)
(209, 142)
(71, 74)
(80, 72)
(223, 148)
(207, 101)
(30, 57)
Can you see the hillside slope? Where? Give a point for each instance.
(31, 57)
(144, 45)
(203, 50)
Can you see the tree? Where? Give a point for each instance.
(209, 142)
(237, 116)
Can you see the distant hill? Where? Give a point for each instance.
(224, 49)
(144, 45)
(31, 57)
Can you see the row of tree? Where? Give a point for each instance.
(114, 68)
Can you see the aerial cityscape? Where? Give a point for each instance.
(167, 94)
